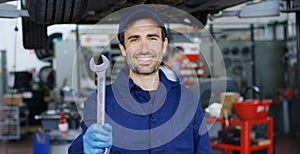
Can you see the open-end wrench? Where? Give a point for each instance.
(100, 71)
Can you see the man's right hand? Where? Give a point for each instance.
(97, 139)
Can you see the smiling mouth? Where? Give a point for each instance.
(144, 58)
(144, 61)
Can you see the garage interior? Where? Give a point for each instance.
(234, 51)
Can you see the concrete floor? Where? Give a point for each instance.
(283, 145)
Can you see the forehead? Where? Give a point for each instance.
(142, 23)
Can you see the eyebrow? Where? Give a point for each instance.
(137, 36)
(133, 36)
(153, 35)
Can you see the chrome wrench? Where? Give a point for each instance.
(100, 71)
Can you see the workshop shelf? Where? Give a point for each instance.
(245, 146)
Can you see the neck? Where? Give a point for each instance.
(169, 63)
(146, 82)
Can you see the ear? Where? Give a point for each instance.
(122, 48)
(165, 46)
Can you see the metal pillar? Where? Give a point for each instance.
(211, 47)
(78, 86)
(3, 73)
(297, 79)
(286, 73)
(253, 59)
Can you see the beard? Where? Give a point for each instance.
(144, 69)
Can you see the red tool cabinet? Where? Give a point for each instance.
(245, 146)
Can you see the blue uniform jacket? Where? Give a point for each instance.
(166, 121)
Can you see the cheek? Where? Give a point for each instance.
(153, 47)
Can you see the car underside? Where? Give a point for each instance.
(44, 13)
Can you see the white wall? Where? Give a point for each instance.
(18, 58)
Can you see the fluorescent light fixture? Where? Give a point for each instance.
(260, 9)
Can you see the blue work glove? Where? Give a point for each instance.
(97, 139)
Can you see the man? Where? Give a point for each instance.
(145, 112)
(170, 65)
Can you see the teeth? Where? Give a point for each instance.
(144, 58)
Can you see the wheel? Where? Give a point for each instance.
(47, 77)
(34, 34)
(56, 11)
(47, 54)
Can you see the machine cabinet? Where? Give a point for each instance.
(245, 146)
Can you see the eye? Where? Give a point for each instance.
(133, 40)
(153, 38)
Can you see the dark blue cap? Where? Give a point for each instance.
(140, 12)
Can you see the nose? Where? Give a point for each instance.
(144, 46)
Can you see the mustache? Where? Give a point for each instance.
(145, 53)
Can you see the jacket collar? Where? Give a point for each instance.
(123, 84)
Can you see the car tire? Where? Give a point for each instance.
(47, 54)
(34, 34)
(47, 77)
(56, 11)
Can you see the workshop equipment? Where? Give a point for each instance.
(63, 125)
(50, 119)
(227, 99)
(100, 71)
(284, 95)
(41, 143)
(250, 109)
